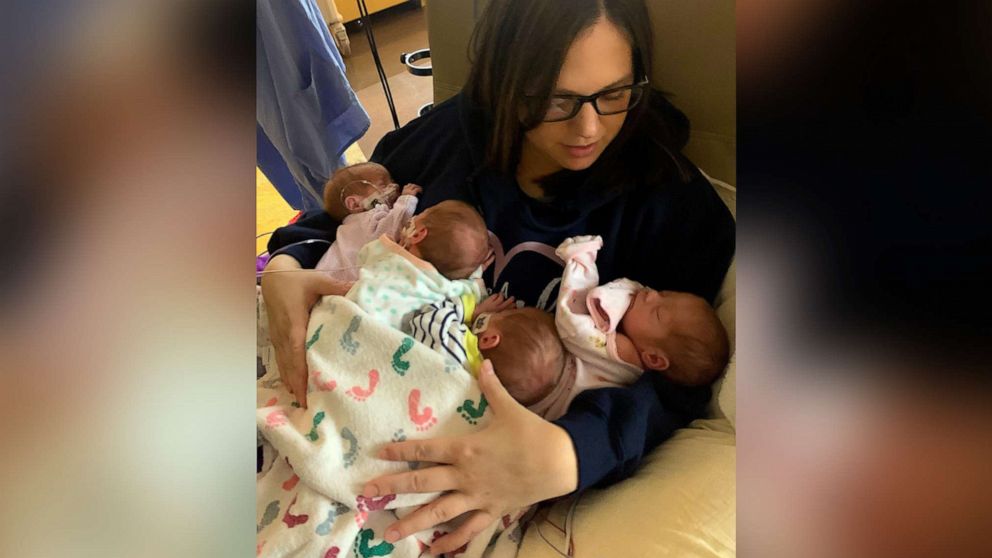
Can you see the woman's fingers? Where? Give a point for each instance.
(324, 285)
(298, 372)
(436, 450)
(443, 509)
(468, 530)
(499, 399)
(292, 361)
(427, 479)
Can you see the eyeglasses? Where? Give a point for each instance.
(611, 101)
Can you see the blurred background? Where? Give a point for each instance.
(127, 321)
(865, 253)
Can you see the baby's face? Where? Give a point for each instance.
(654, 315)
(372, 187)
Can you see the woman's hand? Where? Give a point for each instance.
(517, 460)
(289, 296)
(495, 303)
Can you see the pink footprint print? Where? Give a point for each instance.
(332, 552)
(329, 385)
(271, 402)
(423, 420)
(361, 394)
(276, 419)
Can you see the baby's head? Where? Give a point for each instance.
(358, 188)
(451, 236)
(525, 350)
(677, 334)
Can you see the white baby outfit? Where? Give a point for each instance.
(394, 284)
(358, 229)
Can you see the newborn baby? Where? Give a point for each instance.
(364, 199)
(618, 330)
(527, 355)
(438, 251)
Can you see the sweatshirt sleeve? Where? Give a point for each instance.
(307, 239)
(613, 428)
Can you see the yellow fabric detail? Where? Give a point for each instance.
(474, 356)
(474, 361)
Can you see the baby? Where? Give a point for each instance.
(618, 330)
(440, 254)
(612, 333)
(527, 355)
(364, 199)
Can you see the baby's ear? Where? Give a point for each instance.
(489, 339)
(353, 203)
(655, 359)
(419, 234)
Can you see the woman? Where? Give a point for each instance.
(556, 133)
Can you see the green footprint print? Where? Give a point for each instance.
(316, 336)
(469, 411)
(271, 512)
(399, 365)
(352, 454)
(347, 342)
(317, 418)
(381, 549)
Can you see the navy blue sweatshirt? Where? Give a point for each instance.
(676, 236)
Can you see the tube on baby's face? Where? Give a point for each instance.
(367, 195)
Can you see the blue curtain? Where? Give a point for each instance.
(306, 110)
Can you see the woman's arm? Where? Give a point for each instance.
(488, 474)
(517, 460)
(612, 429)
(307, 239)
(289, 293)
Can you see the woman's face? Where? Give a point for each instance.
(599, 58)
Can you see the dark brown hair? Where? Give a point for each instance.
(517, 50)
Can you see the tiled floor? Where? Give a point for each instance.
(398, 30)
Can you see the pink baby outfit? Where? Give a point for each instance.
(587, 316)
(358, 229)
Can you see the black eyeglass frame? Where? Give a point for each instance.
(594, 98)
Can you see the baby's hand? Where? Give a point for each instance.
(580, 249)
(495, 303)
(412, 190)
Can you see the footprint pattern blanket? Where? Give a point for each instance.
(369, 384)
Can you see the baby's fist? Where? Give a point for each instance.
(412, 190)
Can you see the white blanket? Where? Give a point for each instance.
(369, 385)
